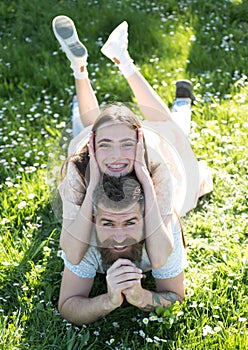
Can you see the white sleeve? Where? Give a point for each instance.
(87, 267)
(72, 192)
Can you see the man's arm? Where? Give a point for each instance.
(168, 291)
(74, 303)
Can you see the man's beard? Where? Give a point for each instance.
(134, 254)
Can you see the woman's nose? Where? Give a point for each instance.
(116, 151)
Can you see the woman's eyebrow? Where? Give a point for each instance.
(122, 140)
(104, 140)
(128, 139)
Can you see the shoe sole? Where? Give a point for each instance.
(64, 29)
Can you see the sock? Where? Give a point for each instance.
(127, 69)
(79, 72)
(126, 65)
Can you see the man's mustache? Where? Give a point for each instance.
(108, 243)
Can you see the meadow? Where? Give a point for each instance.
(204, 41)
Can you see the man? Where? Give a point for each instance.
(119, 250)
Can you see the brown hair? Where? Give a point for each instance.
(116, 113)
(117, 193)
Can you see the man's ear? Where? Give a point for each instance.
(94, 212)
(94, 219)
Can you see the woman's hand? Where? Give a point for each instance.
(94, 169)
(140, 166)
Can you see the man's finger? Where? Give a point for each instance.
(132, 276)
(128, 284)
(121, 262)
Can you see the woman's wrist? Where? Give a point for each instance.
(90, 189)
(149, 190)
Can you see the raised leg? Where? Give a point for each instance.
(87, 101)
(181, 114)
(181, 108)
(116, 49)
(66, 34)
(150, 103)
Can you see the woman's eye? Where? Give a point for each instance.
(128, 144)
(103, 145)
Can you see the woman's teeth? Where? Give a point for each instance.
(116, 166)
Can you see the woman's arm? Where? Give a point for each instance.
(76, 234)
(159, 238)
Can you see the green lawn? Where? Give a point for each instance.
(205, 41)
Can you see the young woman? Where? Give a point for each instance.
(157, 150)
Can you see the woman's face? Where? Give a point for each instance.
(115, 147)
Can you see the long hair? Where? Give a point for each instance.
(116, 113)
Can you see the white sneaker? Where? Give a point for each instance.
(115, 47)
(66, 34)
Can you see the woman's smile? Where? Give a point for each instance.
(117, 167)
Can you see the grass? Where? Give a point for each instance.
(202, 41)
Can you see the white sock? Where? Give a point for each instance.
(126, 65)
(127, 69)
(79, 72)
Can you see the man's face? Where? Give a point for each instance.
(120, 234)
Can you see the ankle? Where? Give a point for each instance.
(79, 72)
(186, 99)
(127, 69)
(125, 64)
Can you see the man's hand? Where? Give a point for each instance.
(134, 294)
(122, 275)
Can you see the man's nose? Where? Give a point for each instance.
(119, 236)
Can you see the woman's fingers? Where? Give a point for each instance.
(91, 144)
(140, 150)
(94, 169)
